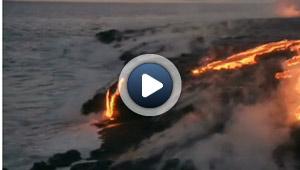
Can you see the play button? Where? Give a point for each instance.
(150, 85)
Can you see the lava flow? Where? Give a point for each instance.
(249, 57)
(290, 70)
(238, 61)
(111, 101)
(291, 67)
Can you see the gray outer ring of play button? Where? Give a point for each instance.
(150, 58)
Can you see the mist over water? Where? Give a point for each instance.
(52, 64)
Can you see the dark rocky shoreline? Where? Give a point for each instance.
(129, 130)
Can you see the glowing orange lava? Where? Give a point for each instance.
(298, 116)
(291, 67)
(111, 101)
(250, 57)
(238, 61)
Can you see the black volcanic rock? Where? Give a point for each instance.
(97, 102)
(41, 166)
(109, 36)
(188, 165)
(128, 55)
(171, 164)
(94, 104)
(64, 159)
(97, 165)
(295, 136)
(128, 130)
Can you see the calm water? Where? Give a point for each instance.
(53, 63)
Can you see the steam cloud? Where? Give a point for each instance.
(250, 134)
(288, 8)
(290, 2)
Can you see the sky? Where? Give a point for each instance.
(211, 1)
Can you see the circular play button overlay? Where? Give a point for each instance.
(151, 85)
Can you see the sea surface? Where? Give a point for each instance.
(52, 63)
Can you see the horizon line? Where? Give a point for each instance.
(146, 1)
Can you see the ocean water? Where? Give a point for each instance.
(52, 63)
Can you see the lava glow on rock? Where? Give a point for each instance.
(291, 67)
(238, 61)
(110, 101)
(249, 57)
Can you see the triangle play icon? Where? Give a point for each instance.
(150, 85)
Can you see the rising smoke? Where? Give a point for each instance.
(288, 8)
(235, 135)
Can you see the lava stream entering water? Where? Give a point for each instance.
(250, 57)
(238, 61)
(110, 101)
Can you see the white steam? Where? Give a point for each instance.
(247, 140)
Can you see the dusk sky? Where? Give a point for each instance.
(211, 1)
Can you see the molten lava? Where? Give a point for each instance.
(111, 101)
(238, 61)
(250, 57)
(291, 67)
